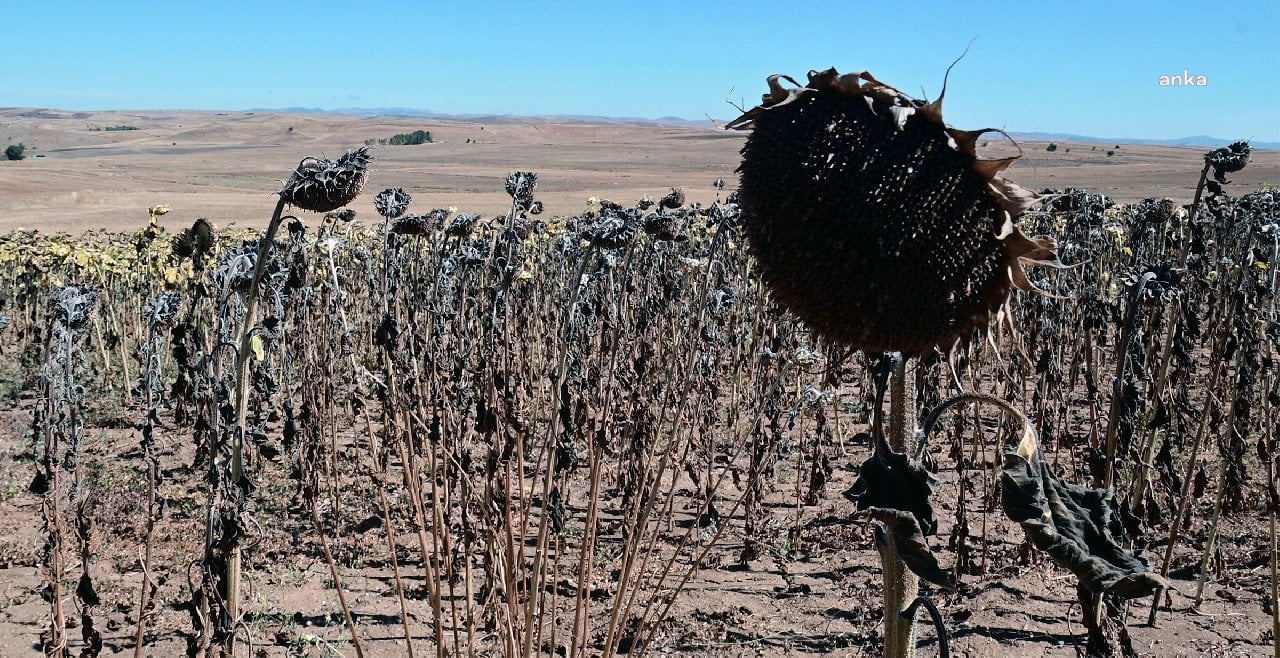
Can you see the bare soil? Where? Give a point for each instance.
(820, 597)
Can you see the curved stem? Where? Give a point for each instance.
(939, 625)
(931, 420)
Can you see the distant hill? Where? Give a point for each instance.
(1194, 141)
(674, 122)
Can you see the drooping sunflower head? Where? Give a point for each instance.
(197, 242)
(322, 185)
(874, 222)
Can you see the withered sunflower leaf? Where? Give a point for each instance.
(893, 481)
(895, 490)
(913, 550)
(86, 591)
(1070, 524)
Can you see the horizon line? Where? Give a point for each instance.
(1185, 141)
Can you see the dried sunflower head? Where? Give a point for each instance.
(344, 215)
(196, 242)
(323, 185)
(520, 186)
(462, 225)
(872, 220)
(392, 202)
(673, 200)
(1228, 160)
(614, 230)
(664, 227)
(412, 225)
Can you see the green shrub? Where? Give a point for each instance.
(1052, 147)
(15, 152)
(403, 139)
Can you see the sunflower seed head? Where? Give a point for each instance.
(324, 185)
(412, 225)
(520, 185)
(72, 305)
(873, 221)
(614, 230)
(392, 202)
(462, 225)
(673, 200)
(1228, 160)
(664, 227)
(344, 215)
(196, 242)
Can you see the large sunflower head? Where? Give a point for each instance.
(322, 185)
(874, 222)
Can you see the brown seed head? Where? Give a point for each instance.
(873, 221)
(392, 202)
(323, 185)
(196, 242)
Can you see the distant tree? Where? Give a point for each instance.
(15, 152)
(1052, 147)
(403, 139)
(410, 139)
(1067, 151)
(1110, 153)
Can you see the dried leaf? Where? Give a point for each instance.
(1070, 524)
(895, 490)
(913, 550)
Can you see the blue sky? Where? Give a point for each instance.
(1087, 68)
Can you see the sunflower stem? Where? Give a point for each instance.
(232, 592)
(1273, 500)
(900, 583)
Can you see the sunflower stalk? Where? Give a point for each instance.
(1185, 498)
(1117, 381)
(1171, 330)
(901, 585)
(319, 186)
(1273, 497)
(1211, 543)
(1273, 503)
(160, 315)
(247, 324)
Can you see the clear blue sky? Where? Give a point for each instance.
(1077, 67)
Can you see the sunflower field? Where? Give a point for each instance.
(436, 433)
